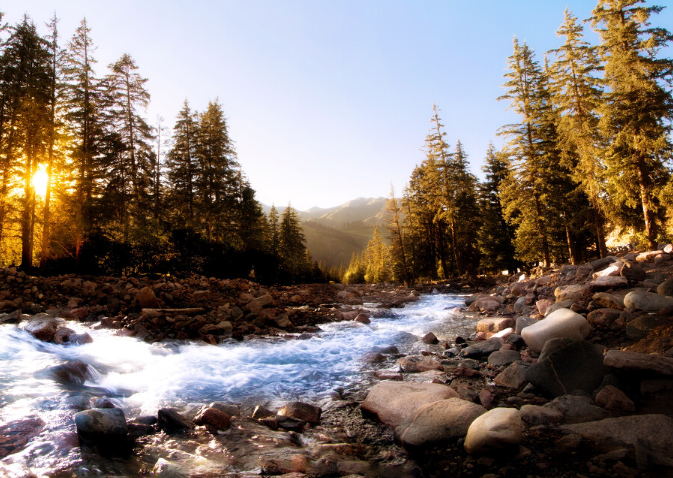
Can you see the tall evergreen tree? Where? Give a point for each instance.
(399, 253)
(637, 110)
(291, 243)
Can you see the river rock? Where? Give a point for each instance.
(166, 469)
(102, 426)
(212, 418)
(521, 288)
(146, 299)
(543, 305)
(522, 322)
(16, 434)
(654, 433)
(535, 415)
(513, 376)
(632, 272)
(609, 282)
(633, 361)
(575, 292)
(563, 304)
(438, 422)
(666, 287)
(494, 430)
(42, 327)
(15, 470)
(565, 366)
(301, 411)
(576, 409)
(563, 323)
(609, 301)
(493, 325)
(170, 421)
(394, 402)
(500, 358)
(485, 304)
(641, 327)
(419, 363)
(483, 349)
(603, 317)
(640, 299)
(615, 401)
(74, 372)
(611, 270)
(429, 339)
(600, 264)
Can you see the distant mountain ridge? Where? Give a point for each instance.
(370, 211)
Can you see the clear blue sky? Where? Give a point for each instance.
(326, 100)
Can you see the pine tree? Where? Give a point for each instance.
(399, 243)
(637, 109)
(377, 260)
(291, 243)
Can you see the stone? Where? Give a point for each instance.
(419, 363)
(16, 434)
(600, 264)
(611, 270)
(170, 421)
(74, 372)
(430, 338)
(668, 249)
(80, 339)
(485, 304)
(576, 292)
(535, 415)
(666, 287)
(493, 325)
(228, 408)
(165, 469)
(494, 430)
(563, 323)
(648, 256)
(563, 304)
(500, 358)
(543, 305)
(609, 301)
(615, 401)
(146, 299)
(483, 349)
(576, 409)
(438, 423)
(301, 411)
(225, 326)
(632, 272)
(634, 361)
(513, 376)
(640, 299)
(363, 319)
(603, 317)
(565, 366)
(522, 322)
(394, 402)
(101, 426)
(212, 417)
(15, 470)
(521, 305)
(521, 288)
(609, 282)
(42, 327)
(654, 433)
(640, 327)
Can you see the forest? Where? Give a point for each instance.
(89, 185)
(588, 159)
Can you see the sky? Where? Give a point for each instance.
(326, 101)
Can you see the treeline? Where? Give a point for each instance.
(590, 155)
(88, 185)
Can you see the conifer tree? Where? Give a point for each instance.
(291, 243)
(637, 109)
(400, 264)
(377, 260)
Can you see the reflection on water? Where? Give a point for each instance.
(141, 378)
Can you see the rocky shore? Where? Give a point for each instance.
(569, 373)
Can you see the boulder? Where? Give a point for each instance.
(535, 415)
(640, 299)
(565, 366)
(609, 282)
(576, 292)
(563, 304)
(522, 322)
(521, 288)
(363, 319)
(563, 323)
(653, 433)
(637, 362)
(640, 327)
(611, 270)
(632, 272)
(16, 434)
(603, 317)
(146, 299)
(485, 304)
(101, 426)
(429, 339)
(666, 287)
(493, 325)
(494, 430)
(213, 418)
(73, 372)
(600, 264)
(438, 422)
(80, 339)
(615, 401)
(609, 301)
(419, 363)
(170, 421)
(483, 349)
(394, 402)
(513, 376)
(576, 409)
(648, 256)
(301, 411)
(166, 469)
(500, 358)
(42, 327)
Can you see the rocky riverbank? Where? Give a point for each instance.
(569, 373)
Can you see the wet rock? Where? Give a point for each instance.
(105, 427)
(301, 411)
(493, 325)
(419, 363)
(503, 357)
(228, 408)
(382, 375)
(261, 412)
(393, 402)
(42, 327)
(11, 318)
(633, 361)
(485, 304)
(363, 319)
(290, 424)
(614, 400)
(576, 409)
(170, 421)
(430, 338)
(609, 301)
(74, 372)
(494, 430)
(438, 422)
(640, 299)
(565, 366)
(166, 469)
(16, 434)
(563, 323)
(603, 317)
(212, 418)
(483, 349)
(146, 299)
(535, 415)
(513, 376)
(653, 433)
(80, 339)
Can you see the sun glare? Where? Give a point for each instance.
(40, 179)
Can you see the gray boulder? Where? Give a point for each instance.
(483, 349)
(102, 426)
(576, 409)
(640, 299)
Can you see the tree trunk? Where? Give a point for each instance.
(543, 230)
(646, 200)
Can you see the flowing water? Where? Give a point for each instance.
(140, 378)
